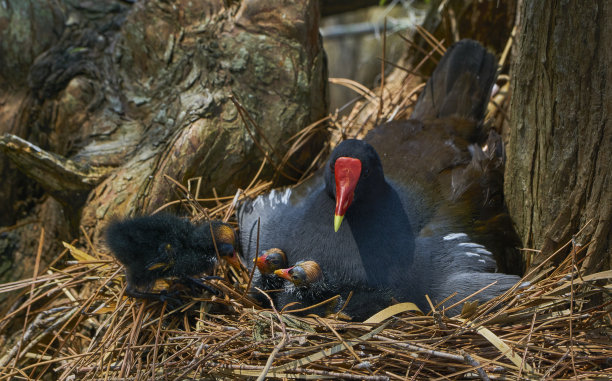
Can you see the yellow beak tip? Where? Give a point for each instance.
(337, 222)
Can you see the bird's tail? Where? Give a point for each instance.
(460, 85)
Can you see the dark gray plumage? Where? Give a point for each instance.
(264, 278)
(422, 227)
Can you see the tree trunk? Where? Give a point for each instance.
(558, 177)
(112, 95)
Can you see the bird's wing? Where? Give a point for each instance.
(452, 262)
(268, 209)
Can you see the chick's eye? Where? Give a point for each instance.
(225, 249)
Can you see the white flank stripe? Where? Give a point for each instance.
(470, 244)
(454, 236)
(482, 251)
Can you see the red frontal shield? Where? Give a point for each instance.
(347, 171)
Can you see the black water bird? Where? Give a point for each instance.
(429, 224)
(167, 246)
(306, 274)
(267, 263)
(304, 285)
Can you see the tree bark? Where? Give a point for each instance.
(114, 95)
(558, 177)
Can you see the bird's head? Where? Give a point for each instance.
(271, 260)
(303, 274)
(225, 241)
(353, 172)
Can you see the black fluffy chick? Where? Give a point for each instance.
(268, 262)
(166, 246)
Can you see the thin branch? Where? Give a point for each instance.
(280, 345)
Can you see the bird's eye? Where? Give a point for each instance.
(168, 247)
(225, 249)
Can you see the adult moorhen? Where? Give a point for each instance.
(420, 227)
(166, 246)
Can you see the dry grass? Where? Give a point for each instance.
(80, 324)
(76, 322)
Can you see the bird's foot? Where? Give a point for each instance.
(172, 297)
(194, 283)
(162, 296)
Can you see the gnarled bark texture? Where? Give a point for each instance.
(559, 170)
(113, 94)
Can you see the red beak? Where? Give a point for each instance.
(347, 171)
(283, 273)
(260, 262)
(234, 260)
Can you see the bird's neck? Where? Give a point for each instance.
(371, 202)
(383, 233)
(312, 290)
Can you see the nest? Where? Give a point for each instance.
(76, 321)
